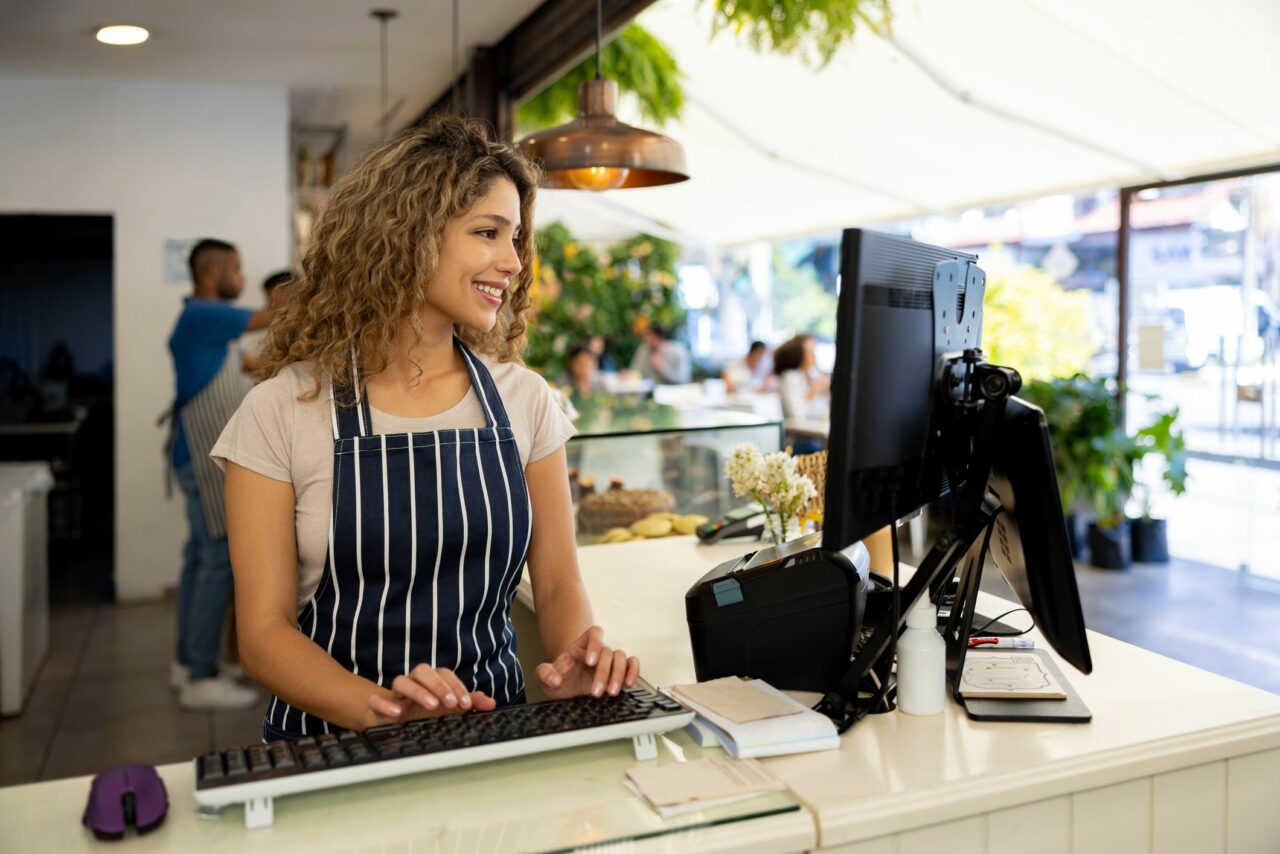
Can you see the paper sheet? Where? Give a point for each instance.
(701, 784)
(737, 700)
(1008, 676)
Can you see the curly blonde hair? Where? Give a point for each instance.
(377, 246)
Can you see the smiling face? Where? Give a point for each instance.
(478, 260)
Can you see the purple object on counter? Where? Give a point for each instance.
(122, 796)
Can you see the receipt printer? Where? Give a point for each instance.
(787, 614)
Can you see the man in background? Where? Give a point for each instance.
(752, 373)
(661, 358)
(211, 381)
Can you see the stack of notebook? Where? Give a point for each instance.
(751, 718)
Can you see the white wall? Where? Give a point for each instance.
(167, 161)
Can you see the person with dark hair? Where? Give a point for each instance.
(662, 358)
(273, 287)
(804, 391)
(211, 383)
(752, 373)
(398, 454)
(584, 377)
(604, 360)
(276, 289)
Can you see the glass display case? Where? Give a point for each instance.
(655, 457)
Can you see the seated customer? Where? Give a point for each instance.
(805, 392)
(661, 358)
(583, 377)
(752, 373)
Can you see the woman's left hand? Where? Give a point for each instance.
(588, 667)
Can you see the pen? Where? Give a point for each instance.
(1003, 643)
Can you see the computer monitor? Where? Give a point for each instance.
(917, 414)
(1030, 545)
(883, 384)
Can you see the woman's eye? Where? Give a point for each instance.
(488, 233)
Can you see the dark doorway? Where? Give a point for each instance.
(57, 382)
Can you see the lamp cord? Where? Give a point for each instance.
(454, 95)
(599, 27)
(383, 118)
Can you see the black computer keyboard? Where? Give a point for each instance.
(262, 771)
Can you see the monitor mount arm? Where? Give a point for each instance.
(972, 399)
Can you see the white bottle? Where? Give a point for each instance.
(922, 662)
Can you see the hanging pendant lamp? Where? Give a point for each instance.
(597, 152)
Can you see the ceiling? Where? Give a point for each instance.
(324, 51)
(967, 104)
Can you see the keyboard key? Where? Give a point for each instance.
(211, 766)
(236, 764)
(259, 760)
(281, 754)
(312, 759)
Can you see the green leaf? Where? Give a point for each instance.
(639, 63)
(813, 30)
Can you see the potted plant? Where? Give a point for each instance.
(1081, 413)
(1149, 536)
(1108, 483)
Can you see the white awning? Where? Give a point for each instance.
(966, 104)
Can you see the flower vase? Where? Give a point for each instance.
(775, 533)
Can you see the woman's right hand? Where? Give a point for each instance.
(426, 692)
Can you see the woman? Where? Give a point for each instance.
(388, 478)
(804, 391)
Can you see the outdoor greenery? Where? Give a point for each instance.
(800, 302)
(639, 63)
(580, 291)
(811, 29)
(1032, 324)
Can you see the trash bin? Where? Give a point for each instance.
(24, 579)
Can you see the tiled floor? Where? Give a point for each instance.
(102, 696)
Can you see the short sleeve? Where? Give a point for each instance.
(259, 435)
(221, 322)
(551, 427)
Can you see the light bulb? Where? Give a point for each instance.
(121, 34)
(597, 178)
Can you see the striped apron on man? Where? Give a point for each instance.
(203, 419)
(427, 541)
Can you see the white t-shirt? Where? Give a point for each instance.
(793, 386)
(277, 435)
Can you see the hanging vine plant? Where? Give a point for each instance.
(812, 30)
(642, 65)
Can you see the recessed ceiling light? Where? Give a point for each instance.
(123, 34)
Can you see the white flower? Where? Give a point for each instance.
(772, 478)
(799, 491)
(777, 471)
(743, 469)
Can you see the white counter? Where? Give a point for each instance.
(1175, 759)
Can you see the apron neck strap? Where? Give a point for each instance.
(349, 404)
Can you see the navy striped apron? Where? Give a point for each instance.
(427, 542)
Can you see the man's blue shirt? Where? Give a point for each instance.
(199, 347)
